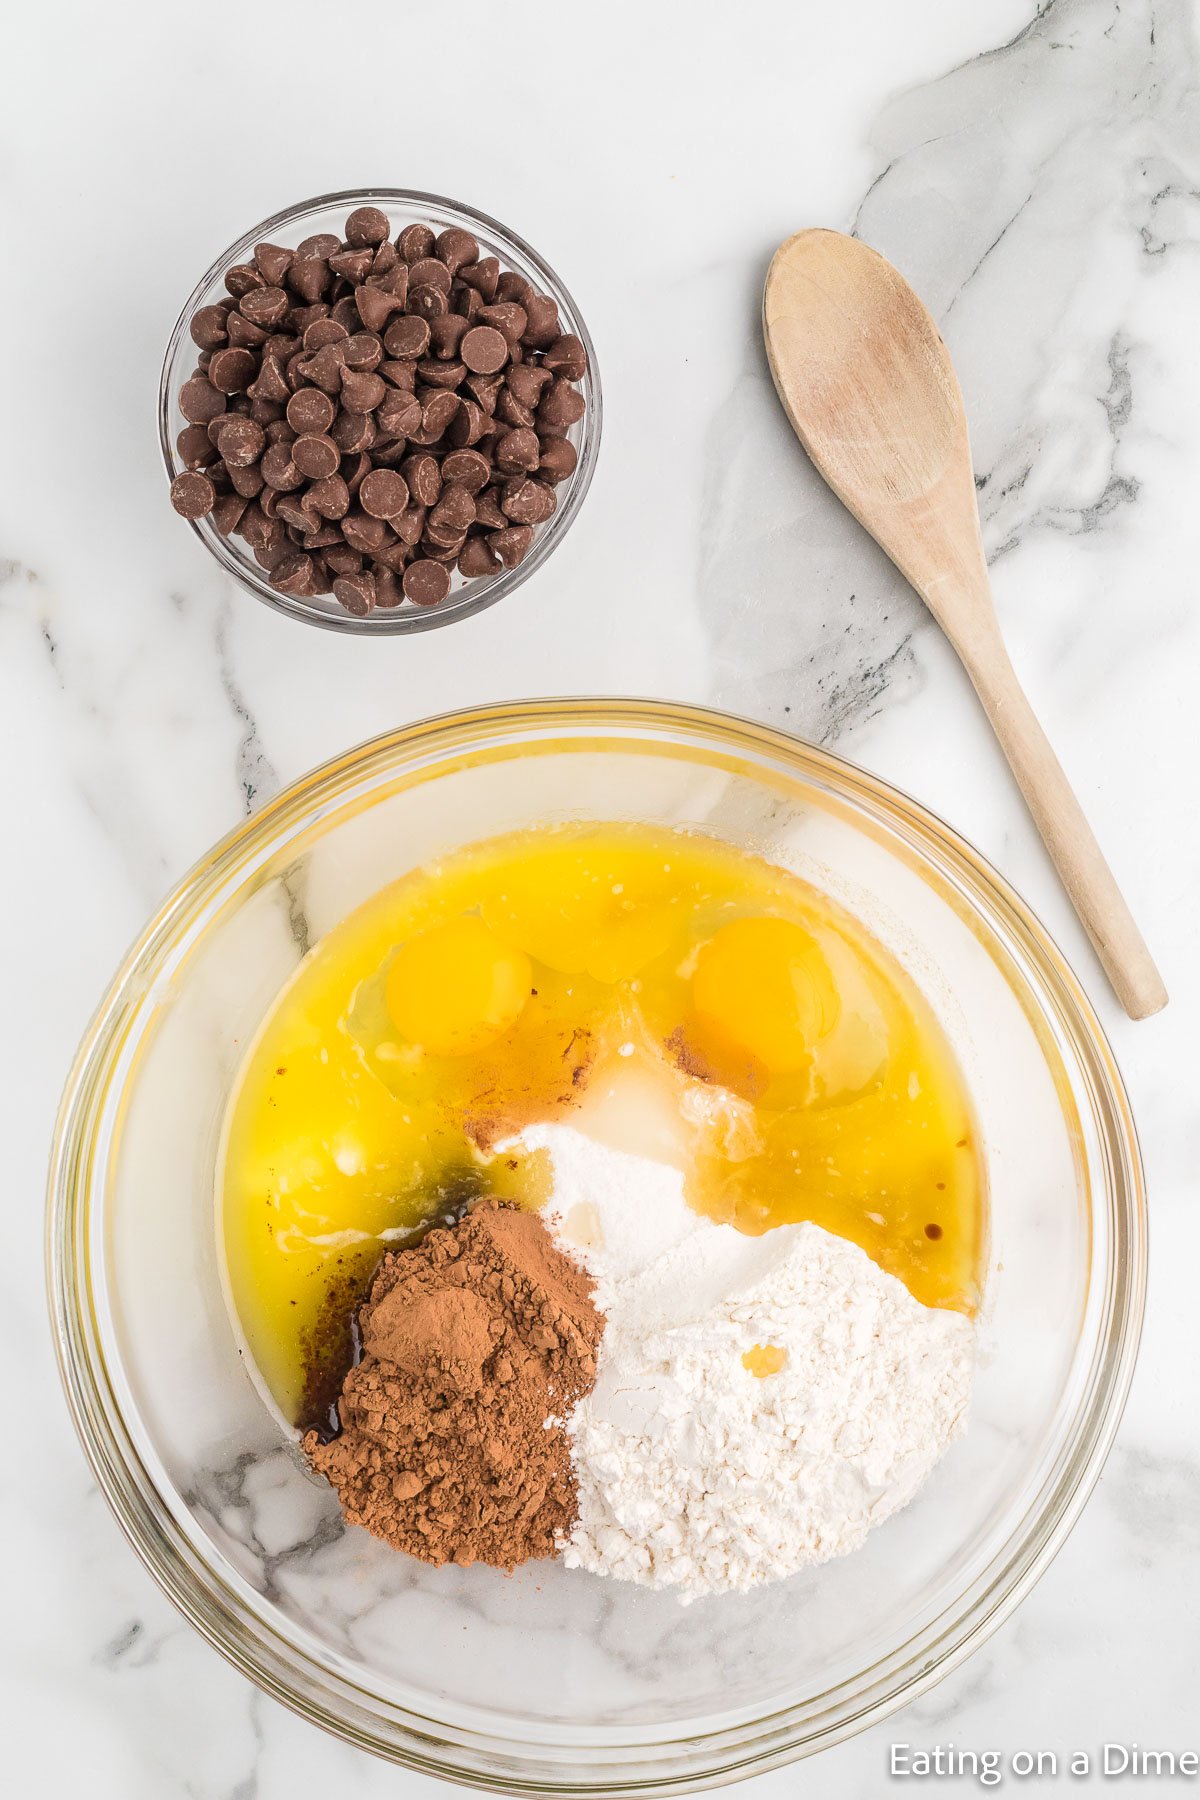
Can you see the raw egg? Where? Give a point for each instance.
(456, 988)
(764, 985)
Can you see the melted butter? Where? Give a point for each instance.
(804, 1075)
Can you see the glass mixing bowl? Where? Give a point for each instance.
(403, 207)
(555, 1680)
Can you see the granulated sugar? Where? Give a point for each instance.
(695, 1473)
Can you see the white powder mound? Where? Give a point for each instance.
(694, 1473)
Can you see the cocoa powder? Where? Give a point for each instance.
(477, 1342)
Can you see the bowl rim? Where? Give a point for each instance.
(701, 1759)
(479, 594)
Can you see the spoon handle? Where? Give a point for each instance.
(1065, 831)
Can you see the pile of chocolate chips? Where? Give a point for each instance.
(368, 415)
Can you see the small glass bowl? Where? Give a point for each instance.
(403, 207)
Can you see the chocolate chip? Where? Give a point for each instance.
(484, 349)
(439, 550)
(477, 558)
(344, 312)
(507, 317)
(445, 336)
(383, 494)
(510, 411)
(541, 321)
(399, 374)
(561, 406)
(227, 513)
(294, 574)
(325, 538)
(243, 335)
(240, 441)
(512, 544)
(272, 262)
(301, 317)
(310, 412)
(356, 468)
(340, 559)
(354, 265)
(399, 413)
(376, 306)
(486, 389)
(454, 512)
(512, 286)
(407, 337)
(322, 245)
(241, 278)
(427, 271)
(195, 447)
(386, 258)
(310, 277)
(468, 469)
(356, 593)
(423, 477)
(271, 384)
(199, 401)
(192, 495)
(264, 307)
(487, 511)
(527, 502)
(362, 392)
(293, 512)
(483, 276)
(364, 533)
(363, 350)
(315, 455)
(324, 369)
(352, 432)
(518, 452)
(455, 247)
(527, 383)
(279, 470)
(469, 424)
(426, 301)
(247, 481)
(323, 332)
(207, 327)
(388, 591)
(426, 583)
(330, 497)
(409, 525)
(558, 459)
(232, 371)
(566, 357)
(415, 242)
(436, 414)
(435, 373)
(367, 225)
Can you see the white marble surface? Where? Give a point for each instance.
(1038, 177)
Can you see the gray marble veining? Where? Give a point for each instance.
(1036, 174)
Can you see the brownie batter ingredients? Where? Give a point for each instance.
(477, 1343)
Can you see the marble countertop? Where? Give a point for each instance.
(1036, 173)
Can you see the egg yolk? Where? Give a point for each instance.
(763, 984)
(456, 988)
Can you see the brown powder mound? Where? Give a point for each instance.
(472, 1340)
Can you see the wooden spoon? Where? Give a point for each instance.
(870, 389)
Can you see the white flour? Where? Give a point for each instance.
(695, 1474)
